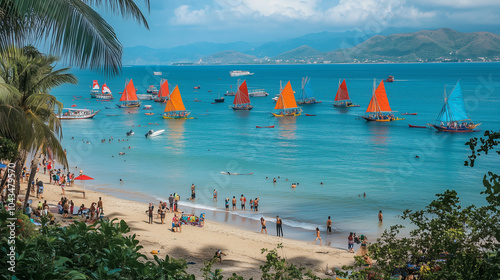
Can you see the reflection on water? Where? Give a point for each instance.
(379, 132)
(176, 136)
(287, 127)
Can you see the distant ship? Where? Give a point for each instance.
(238, 73)
(389, 79)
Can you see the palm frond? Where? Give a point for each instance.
(126, 8)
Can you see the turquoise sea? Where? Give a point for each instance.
(349, 155)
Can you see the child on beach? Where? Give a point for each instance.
(317, 237)
(218, 255)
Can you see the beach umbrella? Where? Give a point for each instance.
(83, 178)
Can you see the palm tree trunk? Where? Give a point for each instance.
(4, 179)
(34, 166)
(20, 160)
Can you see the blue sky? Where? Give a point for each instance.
(179, 22)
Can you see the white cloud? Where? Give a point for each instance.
(183, 15)
(458, 3)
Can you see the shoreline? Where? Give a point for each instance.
(198, 244)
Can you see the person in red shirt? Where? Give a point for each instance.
(243, 201)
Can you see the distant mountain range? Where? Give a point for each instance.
(329, 47)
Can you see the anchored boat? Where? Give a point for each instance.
(307, 95)
(129, 97)
(242, 100)
(76, 114)
(342, 98)
(286, 104)
(379, 109)
(105, 93)
(175, 107)
(163, 93)
(95, 89)
(453, 116)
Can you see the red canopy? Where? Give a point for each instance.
(84, 177)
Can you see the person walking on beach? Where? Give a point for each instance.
(234, 202)
(380, 217)
(317, 237)
(243, 202)
(279, 226)
(350, 243)
(263, 223)
(329, 225)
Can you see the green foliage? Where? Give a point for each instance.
(72, 29)
(78, 251)
(277, 267)
(8, 149)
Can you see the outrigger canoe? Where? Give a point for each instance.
(411, 114)
(229, 173)
(417, 126)
(269, 126)
(310, 115)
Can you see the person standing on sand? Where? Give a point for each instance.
(329, 225)
(243, 202)
(99, 205)
(171, 202)
(380, 217)
(234, 202)
(279, 226)
(263, 223)
(150, 213)
(350, 243)
(317, 237)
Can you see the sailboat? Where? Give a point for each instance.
(307, 95)
(105, 93)
(379, 109)
(95, 89)
(129, 97)
(163, 93)
(342, 98)
(175, 107)
(286, 104)
(242, 100)
(453, 116)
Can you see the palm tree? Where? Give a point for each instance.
(33, 76)
(71, 29)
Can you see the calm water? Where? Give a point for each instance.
(347, 154)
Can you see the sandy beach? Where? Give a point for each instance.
(198, 244)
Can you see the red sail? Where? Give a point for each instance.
(163, 89)
(129, 92)
(379, 102)
(242, 95)
(342, 93)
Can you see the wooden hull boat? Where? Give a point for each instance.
(409, 114)
(269, 126)
(417, 126)
(370, 119)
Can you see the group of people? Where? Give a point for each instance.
(254, 203)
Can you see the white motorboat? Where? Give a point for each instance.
(153, 133)
(238, 73)
(76, 114)
(257, 93)
(145, 96)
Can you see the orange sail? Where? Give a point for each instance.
(379, 101)
(286, 99)
(163, 89)
(175, 102)
(342, 93)
(129, 92)
(242, 95)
